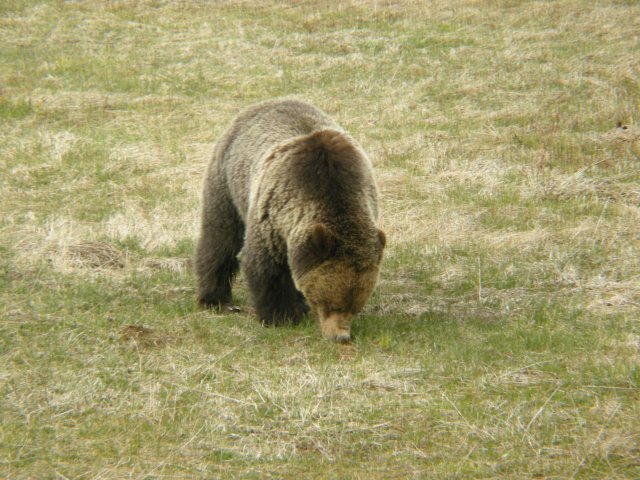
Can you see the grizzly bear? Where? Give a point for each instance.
(290, 197)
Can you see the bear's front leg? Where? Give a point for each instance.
(275, 297)
(221, 237)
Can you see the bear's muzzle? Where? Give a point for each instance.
(336, 326)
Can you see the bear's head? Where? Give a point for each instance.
(337, 277)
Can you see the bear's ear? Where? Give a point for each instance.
(323, 241)
(319, 244)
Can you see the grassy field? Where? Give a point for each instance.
(503, 340)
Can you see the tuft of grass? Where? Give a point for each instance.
(503, 337)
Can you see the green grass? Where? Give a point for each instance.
(503, 338)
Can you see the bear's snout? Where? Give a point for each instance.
(336, 326)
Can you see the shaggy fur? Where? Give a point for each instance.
(292, 195)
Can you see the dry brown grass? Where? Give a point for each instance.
(502, 341)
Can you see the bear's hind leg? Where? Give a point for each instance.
(216, 260)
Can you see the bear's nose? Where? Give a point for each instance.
(343, 338)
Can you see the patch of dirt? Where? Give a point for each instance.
(348, 352)
(623, 134)
(145, 336)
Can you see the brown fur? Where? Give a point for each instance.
(291, 194)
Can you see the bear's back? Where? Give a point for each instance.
(257, 130)
(268, 124)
